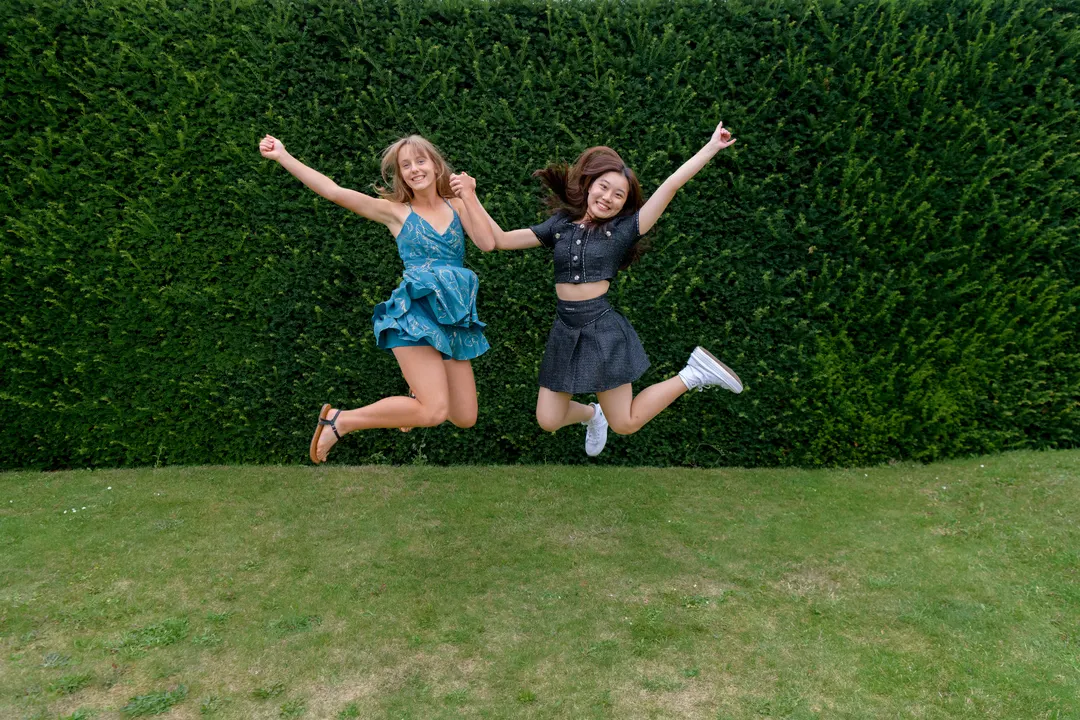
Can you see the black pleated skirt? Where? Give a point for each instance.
(591, 348)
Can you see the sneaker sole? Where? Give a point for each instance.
(724, 370)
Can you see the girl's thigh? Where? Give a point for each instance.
(461, 385)
(551, 408)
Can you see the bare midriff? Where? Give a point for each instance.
(575, 292)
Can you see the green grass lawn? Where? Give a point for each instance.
(934, 591)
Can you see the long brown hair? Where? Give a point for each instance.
(570, 187)
(399, 190)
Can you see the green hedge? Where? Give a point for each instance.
(888, 257)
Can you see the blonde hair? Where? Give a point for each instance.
(398, 190)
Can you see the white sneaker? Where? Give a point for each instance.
(596, 435)
(704, 370)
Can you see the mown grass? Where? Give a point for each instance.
(935, 591)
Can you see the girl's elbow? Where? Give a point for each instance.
(333, 192)
(486, 244)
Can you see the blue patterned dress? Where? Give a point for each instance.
(435, 304)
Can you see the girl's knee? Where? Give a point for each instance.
(464, 421)
(547, 422)
(434, 414)
(623, 427)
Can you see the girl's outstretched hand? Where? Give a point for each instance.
(721, 138)
(271, 148)
(463, 184)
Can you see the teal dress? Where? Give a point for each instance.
(435, 304)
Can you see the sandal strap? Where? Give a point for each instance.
(330, 422)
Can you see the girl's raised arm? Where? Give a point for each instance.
(464, 186)
(473, 217)
(377, 209)
(654, 208)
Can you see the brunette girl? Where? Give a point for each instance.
(600, 216)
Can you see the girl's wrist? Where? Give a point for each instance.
(709, 150)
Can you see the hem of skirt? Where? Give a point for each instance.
(573, 390)
(431, 341)
(444, 355)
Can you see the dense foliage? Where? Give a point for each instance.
(888, 256)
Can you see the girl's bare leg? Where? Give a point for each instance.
(627, 414)
(462, 386)
(403, 428)
(555, 410)
(424, 371)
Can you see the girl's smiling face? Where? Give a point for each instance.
(416, 168)
(607, 195)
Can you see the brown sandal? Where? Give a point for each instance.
(323, 422)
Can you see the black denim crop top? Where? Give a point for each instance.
(587, 253)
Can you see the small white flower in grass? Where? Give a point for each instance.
(65, 512)
(109, 488)
(982, 466)
(84, 507)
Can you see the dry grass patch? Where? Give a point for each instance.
(659, 690)
(813, 582)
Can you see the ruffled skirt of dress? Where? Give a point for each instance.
(434, 306)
